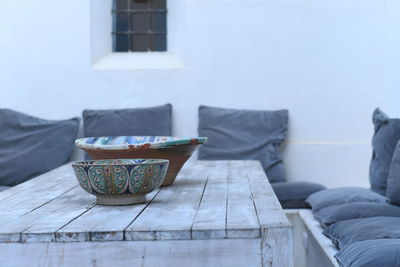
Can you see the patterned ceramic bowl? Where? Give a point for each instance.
(176, 150)
(121, 181)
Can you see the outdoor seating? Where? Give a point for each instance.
(30, 146)
(293, 195)
(155, 121)
(353, 218)
(2, 187)
(363, 223)
(253, 134)
(198, 133)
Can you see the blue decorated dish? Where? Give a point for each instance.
(121, 181)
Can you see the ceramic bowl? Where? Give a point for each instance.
(121, 181)
(176, 150)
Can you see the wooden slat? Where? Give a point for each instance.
(34, 183)
(193, 253)
(41, 224)
(242, 221)
(210, 221)
(277, 247)
(171, 215)
(47, 188)
(102, 223)
(314, 238)
(269, 210)
(277, 234)
(260, 186)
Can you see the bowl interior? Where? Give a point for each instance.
(129, 142)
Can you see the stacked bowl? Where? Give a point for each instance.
(119, 156)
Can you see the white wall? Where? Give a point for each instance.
(329, 62)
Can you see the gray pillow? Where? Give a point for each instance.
(293, 195)
(31, 146)
(371, 253)
(386, 136)
(347, 232)
(2, 187)
(338, 213)
(343, 195)
(393, 182)
(136, 121)
(244, 134)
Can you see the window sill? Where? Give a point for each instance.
(139, 61)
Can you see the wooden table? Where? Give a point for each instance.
(217, 213)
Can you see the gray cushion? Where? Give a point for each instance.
(343, 195)
(338, 213)
(371, 253)
(292, 195)
(31, 146)
(386, 136)
(393, 182)
(3, 187)
(347, 232)
(244, 134)
(136, 121)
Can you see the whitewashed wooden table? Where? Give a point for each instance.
(217, 213)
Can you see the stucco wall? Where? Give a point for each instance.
(329, 62)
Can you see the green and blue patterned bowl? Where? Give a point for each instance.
(120, 181)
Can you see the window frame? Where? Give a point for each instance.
(102, 58)
(131, 33)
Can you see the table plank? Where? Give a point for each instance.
(242, 220)
(41, 181)
(193, 253)
(102, 223)
(269, 210)
(47, 187)
(171, 215)
(277, 232)
(210, 221)
(41, 224)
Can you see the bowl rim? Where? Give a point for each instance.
(176, 141)
(93, 162)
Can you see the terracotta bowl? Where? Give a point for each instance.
(176, 150)
(122, 181)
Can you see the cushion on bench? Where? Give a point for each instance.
(393, 182)
(329, 215)
(244, 134)
(2, 187)
(31, 146)
(292, 195)
(371, 253)
(386, 136)
(347, 232)
(136, 121)
(338, 196)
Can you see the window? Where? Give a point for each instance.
(139, 25)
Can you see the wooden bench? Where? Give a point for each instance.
(311, 247)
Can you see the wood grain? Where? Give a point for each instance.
(210, 220)
(193, 253)
(242, 220)
(102, 223)
(171, 214)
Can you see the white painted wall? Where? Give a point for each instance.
(329, 62)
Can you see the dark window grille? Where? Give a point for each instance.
(139, 25)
